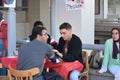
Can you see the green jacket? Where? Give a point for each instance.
(108, 61)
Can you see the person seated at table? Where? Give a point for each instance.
(32, 54)
(50, 39)
(69, 48)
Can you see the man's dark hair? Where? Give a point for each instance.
(36, 30)
(65, 26)
(36, 23)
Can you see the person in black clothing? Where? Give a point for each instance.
(69, 47)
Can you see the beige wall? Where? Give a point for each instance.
(45, 13)
(37, 10)
(22, 30)
(33, 11)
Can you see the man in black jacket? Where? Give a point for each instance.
(69, 48)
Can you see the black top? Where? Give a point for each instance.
(74, 51)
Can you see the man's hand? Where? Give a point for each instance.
(58, 53)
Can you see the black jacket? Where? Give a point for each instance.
(74, 49)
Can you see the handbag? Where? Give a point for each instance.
(95, 61)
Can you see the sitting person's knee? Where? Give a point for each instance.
(74, 75)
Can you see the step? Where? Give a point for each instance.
(104, 76)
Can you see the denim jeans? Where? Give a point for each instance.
(3, 71)
(41, 77)
(115, 70)
(1, 47)
(74, 75)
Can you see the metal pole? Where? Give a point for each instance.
(11, 31)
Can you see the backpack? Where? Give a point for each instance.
(52, 76)
(95, 59)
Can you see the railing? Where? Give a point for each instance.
(21, 41)
(84, 46)
(93, 46)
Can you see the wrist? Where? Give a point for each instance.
(60, 54)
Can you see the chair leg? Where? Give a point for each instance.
(87, 77)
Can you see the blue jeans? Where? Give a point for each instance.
(3, 71)
(74, 75)
(1, 47)
(41, 77)
(115, 70)
(4, 52)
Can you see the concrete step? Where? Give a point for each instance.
(104, 76)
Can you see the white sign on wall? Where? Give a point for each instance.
(74, 4)
(9, 3)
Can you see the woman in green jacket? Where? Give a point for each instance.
(111, 59)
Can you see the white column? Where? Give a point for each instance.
(87, 22)
(53, 20)
(105, 8)
(11, 31)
